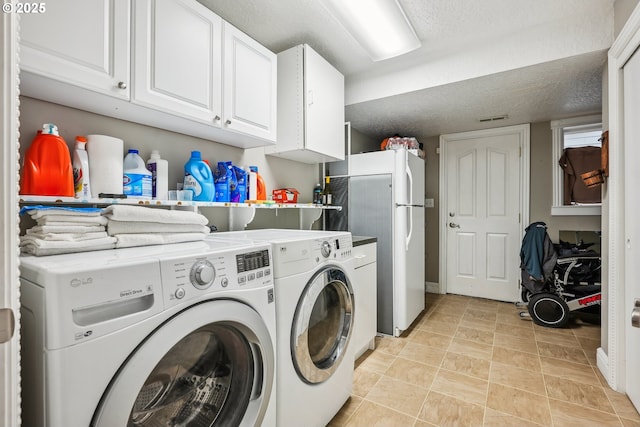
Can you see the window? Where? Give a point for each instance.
(579, 135)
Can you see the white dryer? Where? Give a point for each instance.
(175, 335)
(313, 272)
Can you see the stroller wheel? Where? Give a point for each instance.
(548, 310)
(525, 294)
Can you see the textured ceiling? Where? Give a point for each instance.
(550, 90)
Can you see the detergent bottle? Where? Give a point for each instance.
(137, 179)
(198, 178)
(81, 177)
(261, 188)
(47, 169)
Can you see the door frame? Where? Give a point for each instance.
(523, 131)
(611, 359)
(9, 288)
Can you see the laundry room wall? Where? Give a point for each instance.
(176, 148)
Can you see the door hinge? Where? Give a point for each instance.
(519, 151)
(7, 324)
(519, 218)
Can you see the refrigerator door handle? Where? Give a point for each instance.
(410, 188)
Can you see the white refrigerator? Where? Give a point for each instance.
(386, 200)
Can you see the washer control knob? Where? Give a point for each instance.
(202, 274)
(180, 293)
(224, 282)
(325, 249)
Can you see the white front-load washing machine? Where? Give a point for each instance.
(174, 335)
(313, 271)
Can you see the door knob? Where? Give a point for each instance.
(635, 314)
(122, 85)
(453, 225)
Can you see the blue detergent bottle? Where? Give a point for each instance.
(198, 178)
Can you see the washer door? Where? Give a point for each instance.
(210, 365)
(322, 325)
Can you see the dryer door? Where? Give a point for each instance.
(210, 365)
(322, 325)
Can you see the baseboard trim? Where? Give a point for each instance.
(602, 360)
(432, 287)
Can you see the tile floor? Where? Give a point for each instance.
(474, 362)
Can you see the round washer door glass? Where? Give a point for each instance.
(322, 325)
(195, 371)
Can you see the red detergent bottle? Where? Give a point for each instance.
(47, 169)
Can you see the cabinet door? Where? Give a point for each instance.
(177, 59)
(324, 106)
(250, 85)
(84, 43)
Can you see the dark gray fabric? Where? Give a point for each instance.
(537, 257)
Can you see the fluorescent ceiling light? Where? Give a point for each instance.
(380, 26)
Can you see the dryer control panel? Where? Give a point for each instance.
(215, 272)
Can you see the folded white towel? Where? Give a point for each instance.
(37, 212)
(65, 229)
(71, 220)
(144, 214)
(46, 247)
(130, 240)
(132, 227)
(65, 236)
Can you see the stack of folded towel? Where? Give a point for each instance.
(61, 230)
(142, 226)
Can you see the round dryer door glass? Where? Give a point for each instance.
(322, 325)
(204, 378)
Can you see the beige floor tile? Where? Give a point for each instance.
(512, 318)
(568, 415)
(398, 395)
(494, 418)
(543, 330)
(622, 405)
(471, 348)
(377, 361)
(588, 344)
(569, 340)
(520, 404)
(484, 325)
(508, 308)
(519, 359)
(450, 308)
(420, 423)
(430, 339)
(370, 414)
(473, 334)
(412, 372)
(629, 423)
(390, 345)
(467, 365)
(521, 379)
(438, 327)
(363, 381)
(555, 351)
(476, 314)
(569, 370)
(515, 331)
(442, 410)
(347, 410)
(578, 393)
(469, 389)
(423, 354)
(525, 344)
(485, 304)
(445, 317)
(587, 330)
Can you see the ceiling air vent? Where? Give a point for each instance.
(493, 118)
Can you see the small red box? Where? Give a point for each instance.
(285, 195)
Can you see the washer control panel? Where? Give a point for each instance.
(188, 277)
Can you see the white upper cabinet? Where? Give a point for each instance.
(250, 81)
(180, 67)
(310, 108)
(177, 63)
(83, 43)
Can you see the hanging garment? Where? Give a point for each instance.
(537, 257)
(574, 162)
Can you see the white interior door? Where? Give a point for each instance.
(9, 377)
(482, 218)
(632, 226)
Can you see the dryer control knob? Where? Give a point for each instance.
(202, 274)
(325, 249)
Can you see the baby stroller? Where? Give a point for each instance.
(557, 279)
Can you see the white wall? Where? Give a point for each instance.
(176, 148)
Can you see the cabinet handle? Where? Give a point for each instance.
(228, 122)
(122, 85)
(216, 118)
